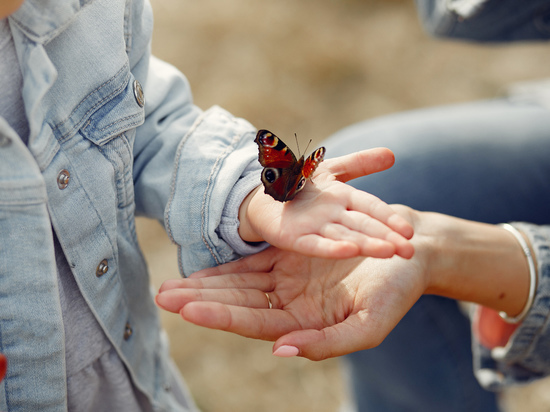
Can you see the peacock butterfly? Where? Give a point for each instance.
(284, 176)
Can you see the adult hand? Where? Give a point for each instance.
(321, 308)
(329, 218)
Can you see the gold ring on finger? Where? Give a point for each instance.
(270, 305)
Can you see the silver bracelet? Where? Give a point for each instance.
(532, 275)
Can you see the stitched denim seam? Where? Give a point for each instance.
(120, 121)
(173, 183)
(116, 132)
(23, 202)
(206, 200)
(51, 34)
(128, 25)
(31, 200)
(168, 209)
(89, 94)
(208, 194)
(96, 105)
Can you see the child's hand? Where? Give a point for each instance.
(329, 218)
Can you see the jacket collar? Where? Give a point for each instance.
(42, 20)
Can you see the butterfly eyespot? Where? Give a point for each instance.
(301, 184)
(320, 154)
(270, 174)
(268, 139)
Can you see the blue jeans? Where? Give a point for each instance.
(485, 161)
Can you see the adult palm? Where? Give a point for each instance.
(321, 308)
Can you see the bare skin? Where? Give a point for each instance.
(329, 218)
(324, 308)
(8, 7)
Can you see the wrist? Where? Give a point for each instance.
(247, 232)
(473, 261)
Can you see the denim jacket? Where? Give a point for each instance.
(486, 20)
(526, 357)
(113, 133)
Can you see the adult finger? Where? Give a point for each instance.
(252, 280)
(174, 300)
(259, 262)
(265, 324)
(340, 339)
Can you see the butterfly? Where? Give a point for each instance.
(284, 176)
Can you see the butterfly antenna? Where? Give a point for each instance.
(308, 143)
(298, 144)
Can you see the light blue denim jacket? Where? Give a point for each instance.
(526, 357)
(95, 157)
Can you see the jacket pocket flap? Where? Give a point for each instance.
(118, 115)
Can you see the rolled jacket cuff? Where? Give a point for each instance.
(229, 226)
(210, 161)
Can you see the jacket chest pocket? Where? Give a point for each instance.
(111, 130)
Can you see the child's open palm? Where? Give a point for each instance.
(329, 218)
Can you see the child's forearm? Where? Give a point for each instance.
(246, 231)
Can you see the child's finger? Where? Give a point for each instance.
(361, 163)
(370, 205)
(345, 245)
(367, 226)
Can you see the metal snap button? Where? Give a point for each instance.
(127, 331)
(138, 93)
(63, 178)
(102, 268)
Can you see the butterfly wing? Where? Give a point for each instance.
(281, 169)
(313, 161)
(273, 152)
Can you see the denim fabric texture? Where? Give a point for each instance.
(96, 157)
(486, 20)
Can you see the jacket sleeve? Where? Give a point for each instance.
(486, 20)
(526, 356)
(192, 169)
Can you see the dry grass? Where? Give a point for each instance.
(311, 67)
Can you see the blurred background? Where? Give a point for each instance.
(309, 67)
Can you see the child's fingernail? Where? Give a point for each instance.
(159, 300)
(286, 351)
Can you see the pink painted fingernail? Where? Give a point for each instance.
(286, 351)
